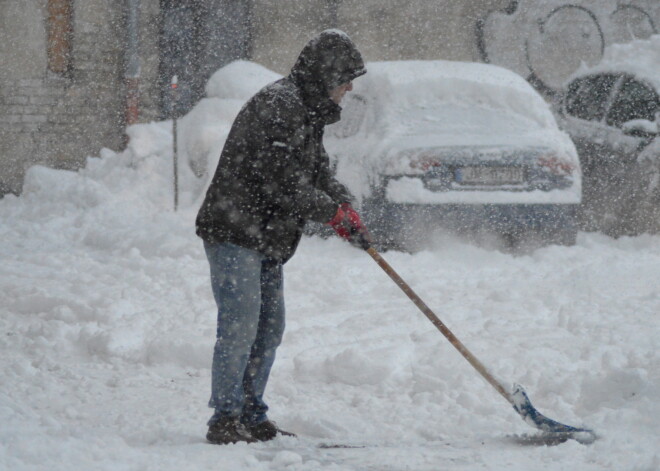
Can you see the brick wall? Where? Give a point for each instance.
(59, 120)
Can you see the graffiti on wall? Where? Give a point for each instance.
(546, 41)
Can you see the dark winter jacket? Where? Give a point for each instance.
(273, 174)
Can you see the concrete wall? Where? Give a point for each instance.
(546, 41)
(22, 50)
(383, 30)
(149, 29)
(22, 54)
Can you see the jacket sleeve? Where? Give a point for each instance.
(287, 184)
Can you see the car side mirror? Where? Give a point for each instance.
(640, 128)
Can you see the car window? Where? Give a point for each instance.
(635, 100)
(587, 97)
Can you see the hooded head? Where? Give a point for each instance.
(327, 61)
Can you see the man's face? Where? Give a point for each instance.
(337, 93)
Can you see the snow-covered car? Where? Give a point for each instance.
(205, 128)
(612, 113)
(466, 147)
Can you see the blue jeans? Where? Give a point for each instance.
(248, 290)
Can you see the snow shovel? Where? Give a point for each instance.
(552, 432)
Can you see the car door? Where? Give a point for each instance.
(585, 108)
(628, 179)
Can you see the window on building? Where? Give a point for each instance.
(60, 31)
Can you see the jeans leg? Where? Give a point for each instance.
(236, 283)
(269, 337)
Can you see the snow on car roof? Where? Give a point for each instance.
(423, 70)
(640, 57)
(239, 80)
(406, 84)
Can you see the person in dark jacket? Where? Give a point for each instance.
(272, 177)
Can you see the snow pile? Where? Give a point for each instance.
(205, 128)
(640, 57)
(239, 80)
(107, 325)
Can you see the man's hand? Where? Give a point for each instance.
(347, 224)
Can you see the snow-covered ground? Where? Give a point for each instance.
(107, 325)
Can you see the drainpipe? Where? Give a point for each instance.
(132, 60)
(333, 10)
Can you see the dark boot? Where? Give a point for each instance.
(228, 430)
(267, 431)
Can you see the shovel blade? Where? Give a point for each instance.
(549, 427)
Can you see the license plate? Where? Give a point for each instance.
(489, 175)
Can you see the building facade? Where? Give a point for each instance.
(75, 72)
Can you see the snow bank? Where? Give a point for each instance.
(205, 128)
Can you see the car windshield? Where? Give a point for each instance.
(588, 97)
(634, 100)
